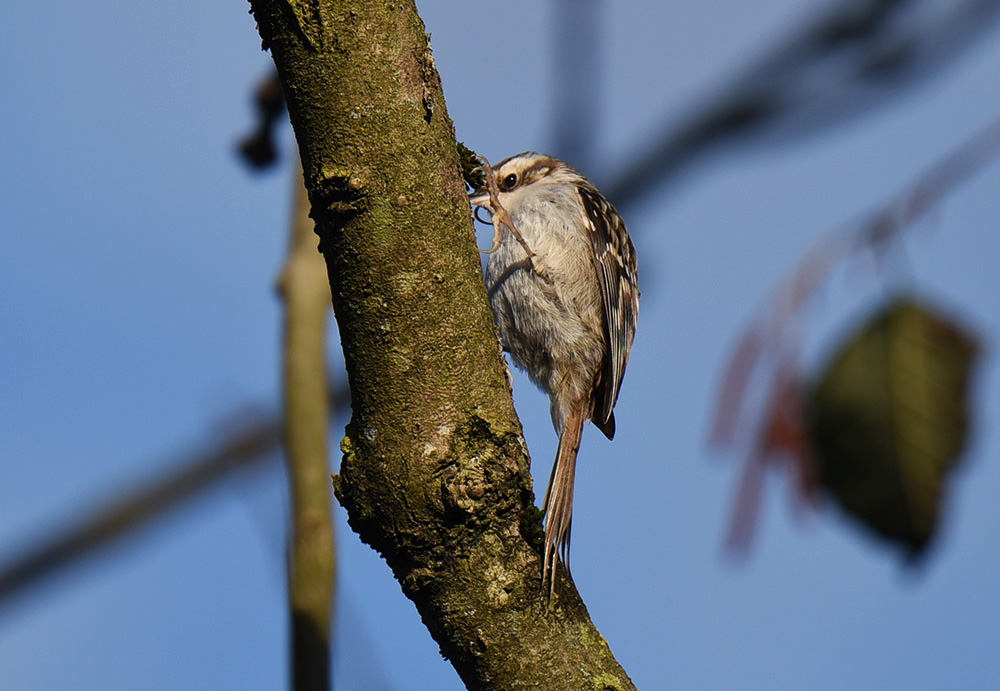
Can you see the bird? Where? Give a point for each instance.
(563, 287)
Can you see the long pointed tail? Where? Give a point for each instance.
(559, 499)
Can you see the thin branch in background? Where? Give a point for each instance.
(258, 148)
(305, 290)
(576, 89)
(254, 440)
(769, 345)
(858, 56)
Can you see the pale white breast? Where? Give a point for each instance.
(550, 321)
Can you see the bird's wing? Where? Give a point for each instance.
(615, 263)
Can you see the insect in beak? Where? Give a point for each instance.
(480, 197)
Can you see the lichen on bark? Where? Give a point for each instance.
(435, 473)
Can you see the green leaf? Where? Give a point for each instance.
(890, 421)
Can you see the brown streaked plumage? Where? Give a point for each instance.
(567, 316)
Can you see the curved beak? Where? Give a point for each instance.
(480, 197)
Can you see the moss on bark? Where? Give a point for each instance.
(435, 474)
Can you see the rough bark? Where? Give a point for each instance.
(435, 474)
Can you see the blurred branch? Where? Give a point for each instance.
(876, 229)
(305, 288)
(258, 148)
(256, 439)
(769, 344)
(856, 57)
(576, 88)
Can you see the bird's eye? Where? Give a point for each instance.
(510, 181)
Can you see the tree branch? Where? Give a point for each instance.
(852, 58)
(255, 437)
(435, 473)
(312, 566)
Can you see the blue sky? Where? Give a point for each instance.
(138, 263)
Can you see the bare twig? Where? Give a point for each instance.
(856, 56)
(312, 565)
(576, 86)
(767, 345)
(258, 148)
(254, 440)
(873, 231)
